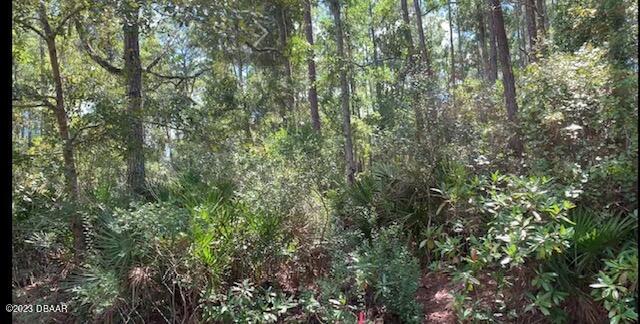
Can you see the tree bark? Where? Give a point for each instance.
(508, 80)
(407, 23)
(376, 59)
(493, 49)
(355, 108)
(283, 34)
(453, 57)
(482, 41)
(344, 86)
(424, 50)
(461, 69)
(530, 17)
(70, 172)
(541, 10)
(133, 75)
(419, 120)
(312, 92)
(520, 34)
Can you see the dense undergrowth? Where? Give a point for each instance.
(268, 240)
(264, 229)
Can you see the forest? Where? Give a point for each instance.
(325, 161)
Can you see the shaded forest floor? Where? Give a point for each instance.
(435, 297)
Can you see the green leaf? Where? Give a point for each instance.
(545, 311)
(615, 319)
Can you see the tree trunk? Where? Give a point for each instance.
(376, 60)
(312, 93)
(453, 57)
(424, 50)
(133, 75)
(344, 86)
(70, 173)
(355, 107)
(520, 42)
(407, 27)
(530, 17)
(283, 34)
(508, 80)
(410, 51)
(493, 51)
(541, 10)
(461, 73)
(482, 41)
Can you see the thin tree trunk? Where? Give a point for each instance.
(376, 59)
(460, 49)
(482, 41)
(133, 76)
(410, 51)
(519, 35)
(407, 24)
(493, 50)
(522, 25)
(46, 130)
(453, 57)
(542, 16)
(352, 82)
(508, 80)
(312, 93)
(344, 86)
(532, 31)
(424, 50)
(70, 173)
(283, 35)
(479, 60)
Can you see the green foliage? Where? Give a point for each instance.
(617, 286)
(383, 269)
(95, 291)
(248, 216)
(548, 297)
(244, 303)
(128, 237)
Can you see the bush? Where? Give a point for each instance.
(382, 273)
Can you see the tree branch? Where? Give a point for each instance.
(26, 25)
(430, 10)
(263, 49)
(94, 56)
(31, 105)
(166, 125)
(156, 60)
(58, 29)
(79, 131)
(177, 77)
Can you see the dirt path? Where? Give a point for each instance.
(436, 299)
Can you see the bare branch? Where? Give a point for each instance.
(26, 25)
(94, 56)
(58, 29)
(263, 49)
(30, 105)
(150, 122)
(178, 77)
(160, 57)
(81, 129)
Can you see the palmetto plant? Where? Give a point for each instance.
(597, 237)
